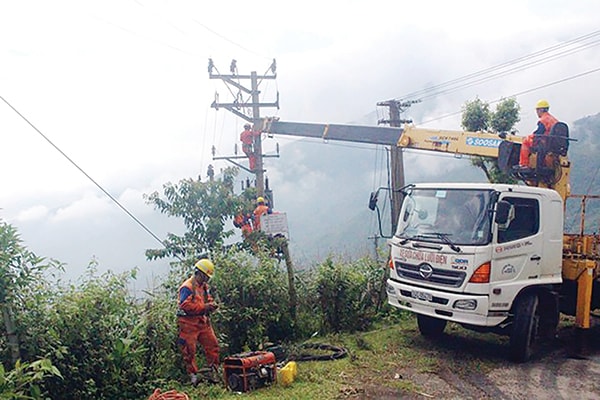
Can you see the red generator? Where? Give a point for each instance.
(248, 371)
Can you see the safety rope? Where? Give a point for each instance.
(169, 395)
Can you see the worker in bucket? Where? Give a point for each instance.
(545, 123)
(247, 139)
(193, 319)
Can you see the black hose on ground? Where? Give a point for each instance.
(336, 353)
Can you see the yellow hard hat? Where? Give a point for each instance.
(206, 266)
(542, 104)
(260, 200)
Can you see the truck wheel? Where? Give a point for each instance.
(549, 316)
(524, 335)
(430, 326)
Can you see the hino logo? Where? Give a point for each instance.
(425, 270)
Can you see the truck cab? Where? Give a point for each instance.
(472, 253)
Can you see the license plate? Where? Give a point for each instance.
(421, 295)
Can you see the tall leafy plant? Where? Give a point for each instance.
(204, 208)
(19, 269)
(478, 117)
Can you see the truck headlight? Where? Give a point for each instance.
(467, 304)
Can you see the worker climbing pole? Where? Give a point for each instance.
(248, 137)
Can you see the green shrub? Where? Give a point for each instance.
(350, 294)
(22, 382)
(108, 344)
(93, 331)
(254, 303)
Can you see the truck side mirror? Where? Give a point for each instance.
(373, 201)
(503, 212)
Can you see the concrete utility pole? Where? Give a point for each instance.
(396, 159)
(239, 105)
(397, 166)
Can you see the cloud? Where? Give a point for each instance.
(32, 214)
(83, 208)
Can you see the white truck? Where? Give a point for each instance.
(492, 257)
(481, 255)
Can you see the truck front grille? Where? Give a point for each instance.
(439, 276)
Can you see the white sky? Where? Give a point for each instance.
(122, 87)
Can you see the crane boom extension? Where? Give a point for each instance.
(457, 142)
(483, 144)
(348, 133)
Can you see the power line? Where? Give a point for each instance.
(122, 207)
(166, 44)
(438, 88)
(521, 93)
(512, 70)
(227, 39)
(144, 37)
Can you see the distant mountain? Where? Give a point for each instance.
(585, 173)
(583, 152)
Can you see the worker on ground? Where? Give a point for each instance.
(247, 138)
(260, 210)
(195, 306)
(545, 123)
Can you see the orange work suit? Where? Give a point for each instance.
(247, 139)
(243, 221)
(194, 325)
(545, 124)
(260, 210)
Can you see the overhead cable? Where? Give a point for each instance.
(443, 87)
(510, 71)
(521, 93)
(121, 206)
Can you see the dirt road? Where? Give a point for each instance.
(559, 371)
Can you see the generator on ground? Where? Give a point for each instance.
(248, 371)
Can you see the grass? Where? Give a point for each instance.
(382, 363)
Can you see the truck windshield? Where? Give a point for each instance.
(461, 216)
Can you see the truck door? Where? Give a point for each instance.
(518, 244)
